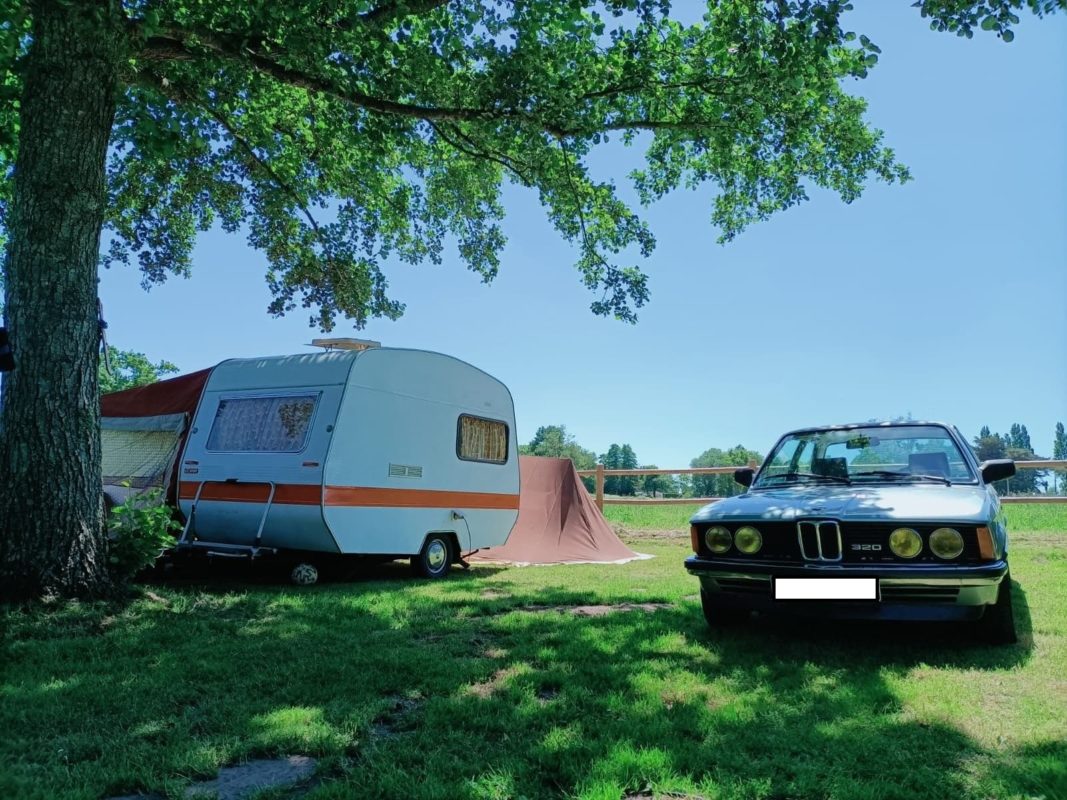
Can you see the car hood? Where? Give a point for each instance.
(915, 502)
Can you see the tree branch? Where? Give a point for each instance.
(163, 84)
(506, 163)
(173, 43)
(395, 9)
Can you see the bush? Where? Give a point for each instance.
(139, 530)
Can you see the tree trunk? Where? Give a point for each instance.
(51, 538)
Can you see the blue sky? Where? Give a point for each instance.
(944, 298)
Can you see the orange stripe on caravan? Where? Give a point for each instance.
(297, 494)
(357, 496)
(349, 496)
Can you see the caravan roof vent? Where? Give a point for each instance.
(345, 344)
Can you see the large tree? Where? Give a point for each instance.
(554, 441)
(721, 485)
(339, 134)
(1014, 445)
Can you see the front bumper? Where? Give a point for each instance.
(916, 591)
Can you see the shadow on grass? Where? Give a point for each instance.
(420, 689)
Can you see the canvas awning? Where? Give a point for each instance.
(142, 433)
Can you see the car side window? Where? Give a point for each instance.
(794, 456)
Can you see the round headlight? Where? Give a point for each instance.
(718, 539)
(748, 540)
(905, 543)
(946, 543)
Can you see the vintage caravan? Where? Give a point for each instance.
(381, 451)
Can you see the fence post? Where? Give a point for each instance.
(600, 487)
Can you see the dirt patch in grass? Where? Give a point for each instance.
(547, 693)
(493, 594)
(397, 718)
(639, 534)
(598, 610)
(487, 689)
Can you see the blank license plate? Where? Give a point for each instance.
(825, 588)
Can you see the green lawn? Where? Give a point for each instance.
(406, 688)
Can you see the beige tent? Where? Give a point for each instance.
(558, 521)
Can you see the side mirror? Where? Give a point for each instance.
(997, 469)
(745, 475)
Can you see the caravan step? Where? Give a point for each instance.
(221, 550)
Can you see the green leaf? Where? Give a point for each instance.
(989, 23)
(1007, 36)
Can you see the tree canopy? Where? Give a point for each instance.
(338, 135)
(129, 369)
(553, 441)
(721, 485)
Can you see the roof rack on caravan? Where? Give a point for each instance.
(344, 343)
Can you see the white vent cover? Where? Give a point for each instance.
(404, 471)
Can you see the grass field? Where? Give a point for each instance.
(486, 685)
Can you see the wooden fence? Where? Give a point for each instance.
(600, 473)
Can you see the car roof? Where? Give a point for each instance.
(872, 424)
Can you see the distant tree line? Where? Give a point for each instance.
(1015, 444)
(554, 441)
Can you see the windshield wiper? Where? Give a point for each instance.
(906, 476)
(837, 478)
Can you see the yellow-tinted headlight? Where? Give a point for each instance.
(946, 543)
(905, 543)
(748, 540)
(718, 539)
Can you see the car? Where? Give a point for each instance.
(893, 520)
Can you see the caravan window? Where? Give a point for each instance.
(481, 439)
(262, 424)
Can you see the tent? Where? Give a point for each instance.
(143, 430)
(558, 521)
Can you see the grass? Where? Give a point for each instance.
(451, 689)
(1030, 517)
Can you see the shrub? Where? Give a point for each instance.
(139, 530)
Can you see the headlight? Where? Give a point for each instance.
(718, 539)
(748, 540)
(946, 543)
(905, 543)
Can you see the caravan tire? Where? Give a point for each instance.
(435, 559)
(304, 574)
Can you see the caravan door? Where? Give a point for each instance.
(255, 460)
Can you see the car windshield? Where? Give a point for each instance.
(876, 454)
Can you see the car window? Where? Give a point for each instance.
(936, 455)
(793, 456)
(878, 453)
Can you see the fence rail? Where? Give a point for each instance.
(600, 473)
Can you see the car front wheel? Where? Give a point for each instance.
(997, 625)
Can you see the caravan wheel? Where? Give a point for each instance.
(304, 574)
(435, 560)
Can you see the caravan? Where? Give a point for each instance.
(386, 452)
